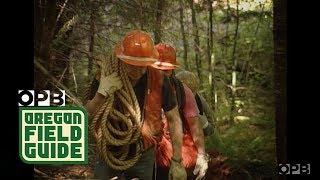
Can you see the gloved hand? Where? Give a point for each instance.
(108, 83)
(177, 171)
(201, 166)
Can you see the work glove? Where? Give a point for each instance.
(108, 83)
(177, 171)
(201, 166)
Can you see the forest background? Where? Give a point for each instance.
(228, 44)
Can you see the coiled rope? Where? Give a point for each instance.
(117, 131)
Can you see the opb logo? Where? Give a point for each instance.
(41, 98)
(302, 169)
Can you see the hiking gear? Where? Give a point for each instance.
(205, 115)
(113, 128)
(189, 79)
(137, 48)
(204, 121)
(167, 57)
(199, 103)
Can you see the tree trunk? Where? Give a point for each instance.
(246, 65)
(158, 22)
(225, 50)
(61, 59)
(47, 20)
(280, 49)
(211, 60)
(62, 54)
(39, 10)
(196, 40)
(51, 13)
(183, 34)
(38, 22)
(234, 74)
(54, 61)
(91, 37)
(141, 19)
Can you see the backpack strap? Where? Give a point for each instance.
(199, 103)
(181, 100)
(181, 96)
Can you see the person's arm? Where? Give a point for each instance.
(191, 114)
(176, 133)
(177, 171)
(170, 108)
(197, 133)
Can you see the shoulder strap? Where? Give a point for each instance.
(199, 103)
(180, 94)
(181, 98)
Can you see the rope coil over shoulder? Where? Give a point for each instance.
(117, 131)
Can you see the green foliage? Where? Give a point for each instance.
(248, 147)
(214, 142)
(249, 144)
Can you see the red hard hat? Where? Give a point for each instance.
(137, 48)
(167, 57)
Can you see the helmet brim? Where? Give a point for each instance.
(164, 65)
(137, 61)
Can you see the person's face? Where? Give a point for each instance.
(134, 72)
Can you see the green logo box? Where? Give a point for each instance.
(53, 135)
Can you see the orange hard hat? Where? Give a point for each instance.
(137, 48)
(167, 57)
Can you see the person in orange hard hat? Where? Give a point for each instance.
(194, 158)
(154, 94)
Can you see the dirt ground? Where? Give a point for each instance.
(218, 169)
